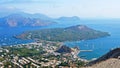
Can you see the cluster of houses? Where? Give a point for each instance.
(31, 62)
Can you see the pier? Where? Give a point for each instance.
(86, 50)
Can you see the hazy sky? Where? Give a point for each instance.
(57, 8)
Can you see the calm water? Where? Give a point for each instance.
(6, 34)
(99, 46)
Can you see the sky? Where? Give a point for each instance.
(58, 8)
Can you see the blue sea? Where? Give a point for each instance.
(99, 46)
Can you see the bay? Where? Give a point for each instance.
(99, 46)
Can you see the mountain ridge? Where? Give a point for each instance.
(24, 19)
(21, 19)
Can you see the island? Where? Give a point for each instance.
(73, 33)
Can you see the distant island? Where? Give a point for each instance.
(73, 33)
(22, 19)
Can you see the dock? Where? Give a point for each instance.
(86, 50)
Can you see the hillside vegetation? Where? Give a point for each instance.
(73, 33)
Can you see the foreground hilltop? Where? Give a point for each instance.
(115, 53)
(109, 60)
(110, 63)
(73, 33)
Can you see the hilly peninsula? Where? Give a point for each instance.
(73, 33)
(25, 20)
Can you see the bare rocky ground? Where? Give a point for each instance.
(110, 63)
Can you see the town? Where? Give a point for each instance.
(40, 54)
